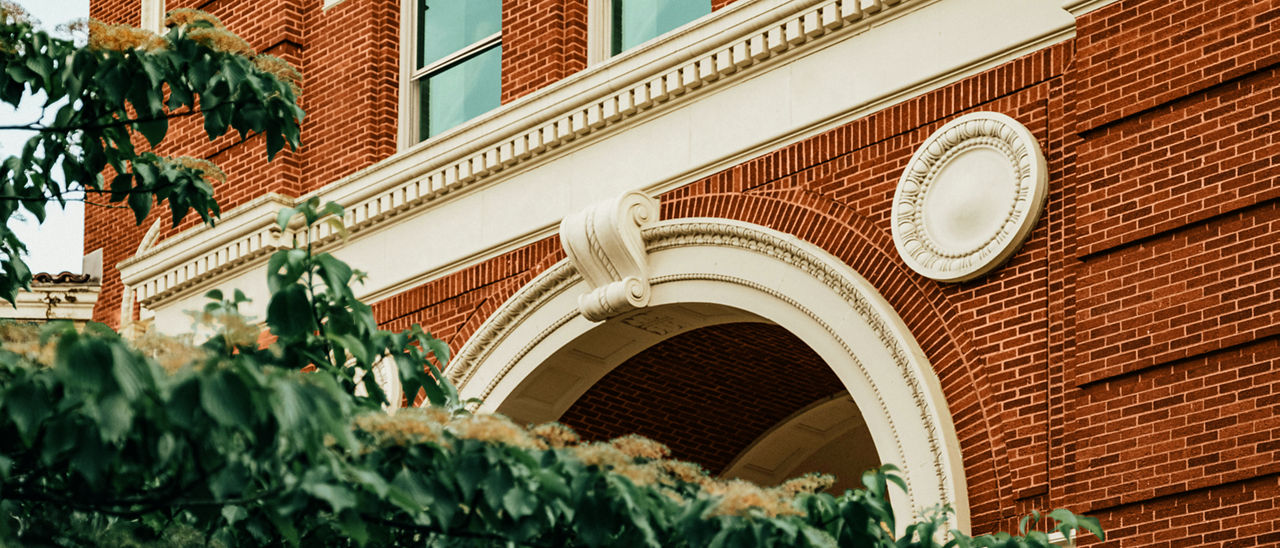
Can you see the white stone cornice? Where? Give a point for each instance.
(185, 259)
(1081, 7)
(737, 84)
(603, 243)
(54, 301)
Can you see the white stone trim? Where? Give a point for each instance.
(56, 301)
(1060, 540)
(149, 239)
(153, 14)
(406, 133)
(197, 255)
(774, 456)
(387, 378)
(1081, 7)
(599, 31)
(653, 118)
(969, 197)
(604, 244)
(765, 274)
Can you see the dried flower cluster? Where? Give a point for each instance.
(24, 339)
(220, 39)
(491, 428)
(187, 16)
(74, 26)
(11, 12)
(644, 462)
(553, 435)
(405, 427)
(738, 497)
(640, 447)
(641, 460)
(106, 37)
(209, 170)
(169, 352)
(281, 69)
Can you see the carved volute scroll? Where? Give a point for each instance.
(604, 244)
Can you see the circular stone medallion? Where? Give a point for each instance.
(969, 197)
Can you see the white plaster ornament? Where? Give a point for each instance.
(969, 197)
(604, 244)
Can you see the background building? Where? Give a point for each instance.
(1025, 249)
(61, 296)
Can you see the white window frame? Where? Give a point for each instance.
(600, 31)
(410, 118)
(153, 16)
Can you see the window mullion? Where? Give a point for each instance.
(452, 58)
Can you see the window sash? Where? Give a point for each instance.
(661, 16)
(457, 56)
(463, 99)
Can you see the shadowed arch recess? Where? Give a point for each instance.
(763, 273)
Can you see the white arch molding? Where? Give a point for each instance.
(537, 353)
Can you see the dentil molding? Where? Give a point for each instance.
(603, 243)
(969, 197)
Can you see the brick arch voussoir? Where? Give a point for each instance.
(500, 293)
(932, 319)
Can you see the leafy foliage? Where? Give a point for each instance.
(112, 101)
(161, 441)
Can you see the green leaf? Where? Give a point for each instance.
(140, 203)
(284, 216)
(337, 274)
(233, 514)
(519, 502)
(231, 482)
(154, 130)
(226, 398)
(27, 408)
(132, 375)
(289, 312)
(338, 497)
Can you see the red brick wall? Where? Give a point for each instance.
(704, 393)
(1135, 55)
(542, 42)
(1170, 391)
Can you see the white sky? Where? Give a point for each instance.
(58, 244)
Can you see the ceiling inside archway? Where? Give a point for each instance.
(706, 393)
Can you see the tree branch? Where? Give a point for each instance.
(117, 123)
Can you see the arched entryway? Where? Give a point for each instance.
(538, 353)
(744, 400)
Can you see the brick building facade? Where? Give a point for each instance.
(1123, 361)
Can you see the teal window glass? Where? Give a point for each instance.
(638, 21)
(457, 71)
(460, 92)
(447, 26)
